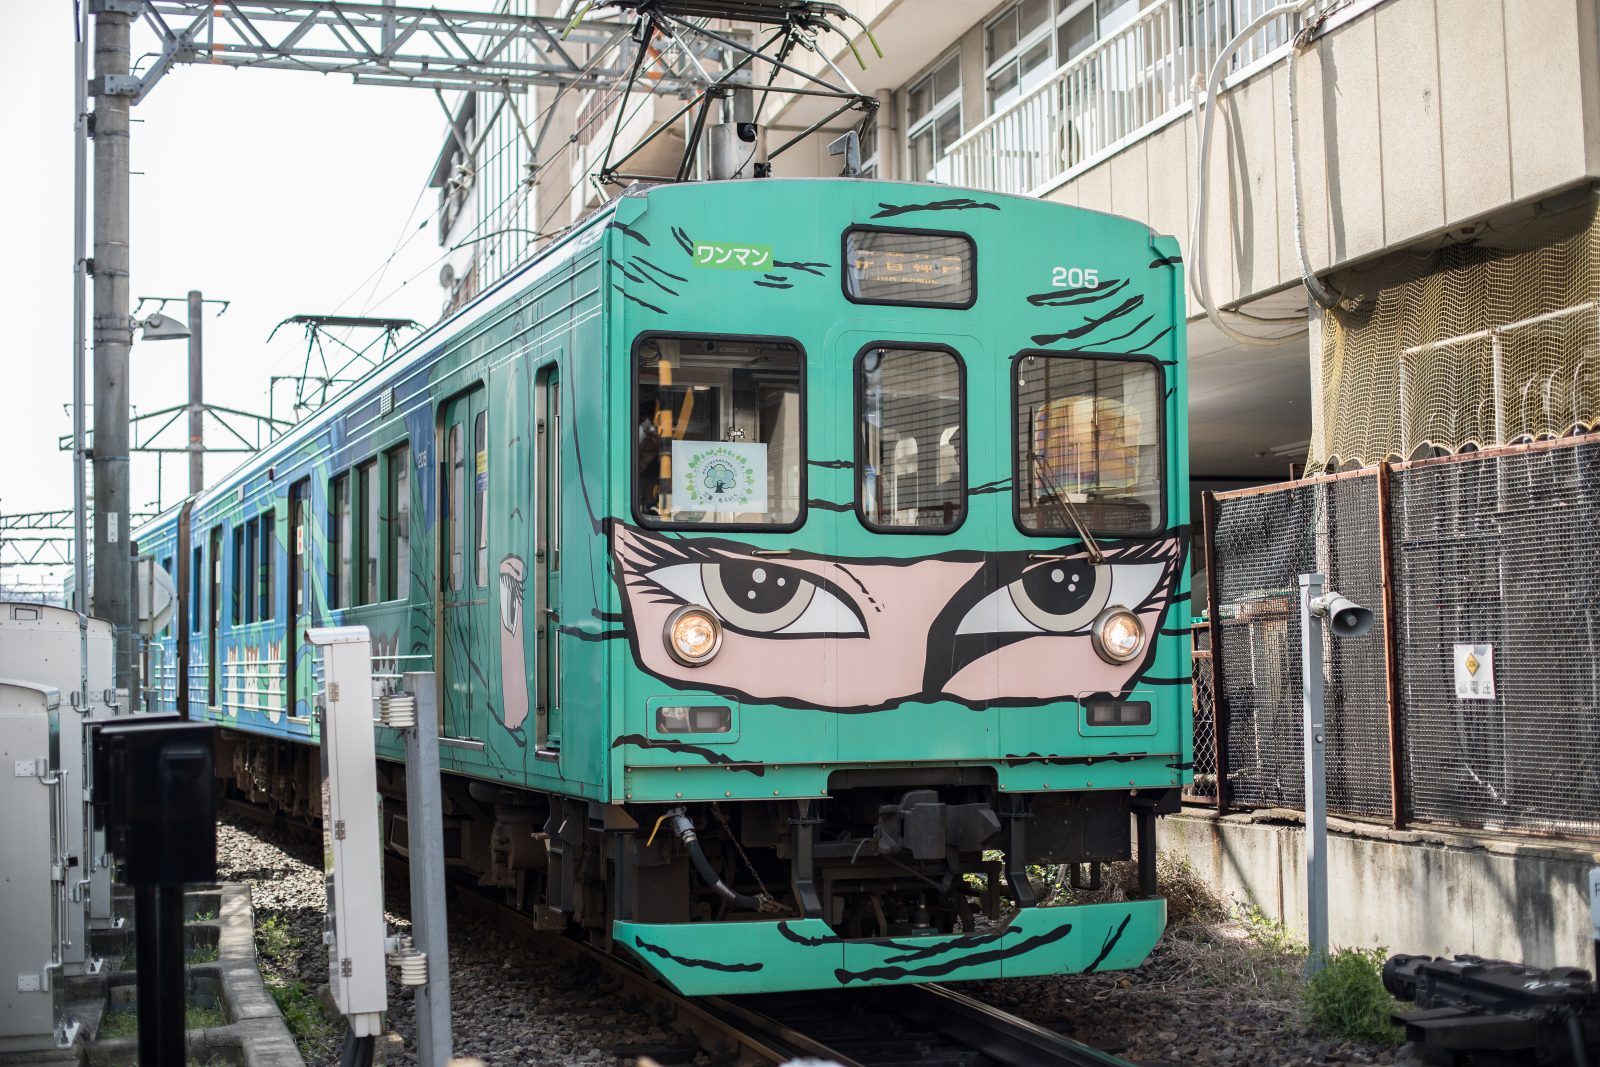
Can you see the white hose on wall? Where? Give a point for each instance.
(1199, 279)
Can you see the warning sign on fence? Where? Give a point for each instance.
(1474, 672)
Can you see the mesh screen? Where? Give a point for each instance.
(1485, 342)
(1502, 550)
(1204, 786)
(1263, 542)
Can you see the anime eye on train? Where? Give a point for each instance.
(758, 597)
(1072, 595)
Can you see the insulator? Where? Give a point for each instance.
(413, 968)
(398, 710)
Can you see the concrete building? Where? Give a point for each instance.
(1364, 143)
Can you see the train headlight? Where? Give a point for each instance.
(693, 635)
(1118, 635)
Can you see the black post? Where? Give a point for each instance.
(158, 948)
(160, 816)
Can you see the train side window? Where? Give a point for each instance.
(166, 565)
(910, 439)
(247, 577)
(456, 501)
(719, 432)
(480, 508)
(265, 566)
(1087, 444)
(196, 584)
(339, 538)
(397, 546)
(237, 612)
(367, 483)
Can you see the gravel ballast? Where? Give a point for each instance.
(1216, 992)
(509, 1005)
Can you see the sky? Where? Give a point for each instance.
(280, 191)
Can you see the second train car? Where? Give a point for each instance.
(800, 562)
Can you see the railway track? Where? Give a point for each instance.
(888, 1026)
(884, 1026)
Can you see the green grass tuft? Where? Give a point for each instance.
(124, 1022)
(1347, 999)
(301, 1011)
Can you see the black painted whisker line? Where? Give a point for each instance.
(1094, 322)
(831, 464)
(955, 204)
(637, 300)
(1123, 336)
(1083, 294)
(774, 285)
(642, 277)
(1153, 340)
(828, 505)
(592, 636)
(659, 269)
(631, 232)
(1112, 937)
(637, 279)
(808, 268)
(720, 759)
(976, 959)
(1165, 261)
(683, 241)
(685, 961)
(1187, 679)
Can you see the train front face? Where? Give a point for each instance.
(899, 548)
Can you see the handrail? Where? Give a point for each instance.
(1127, 85)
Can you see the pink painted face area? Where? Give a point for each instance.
(854, 635)
(1042, 665)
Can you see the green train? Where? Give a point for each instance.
(800, 561)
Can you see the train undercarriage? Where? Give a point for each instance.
(892, 853)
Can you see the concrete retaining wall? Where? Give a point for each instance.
(1421, 891)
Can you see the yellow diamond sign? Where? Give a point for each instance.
(1471, 663)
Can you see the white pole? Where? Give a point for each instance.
(1315, 785)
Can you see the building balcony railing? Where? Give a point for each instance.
(1129, 84)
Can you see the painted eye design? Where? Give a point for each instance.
(758, 597)
(513, 573)
(1061, 597)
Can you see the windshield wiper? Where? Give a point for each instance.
(1070, 509)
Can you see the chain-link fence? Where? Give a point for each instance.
(1203, 789)
(1262, 543)
(1478, 701)
(1497, 561)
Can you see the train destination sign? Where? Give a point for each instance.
(909, 267)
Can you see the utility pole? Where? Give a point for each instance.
(80, 343)
(197, 407)
(113, 329)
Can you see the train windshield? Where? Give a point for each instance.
(719, 438)
(1088, 445)
(911, 453)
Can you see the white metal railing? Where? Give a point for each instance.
(1129, 84)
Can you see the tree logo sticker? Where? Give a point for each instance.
(719, 476)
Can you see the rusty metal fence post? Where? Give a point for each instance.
(1391, 647)
(1219, 688)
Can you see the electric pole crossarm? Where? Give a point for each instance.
(421, 47)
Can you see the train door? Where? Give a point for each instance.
(300, 681)
(463, 450)
(547, 594)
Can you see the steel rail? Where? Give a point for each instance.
(740, 1027)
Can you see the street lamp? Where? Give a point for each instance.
(159, 327)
